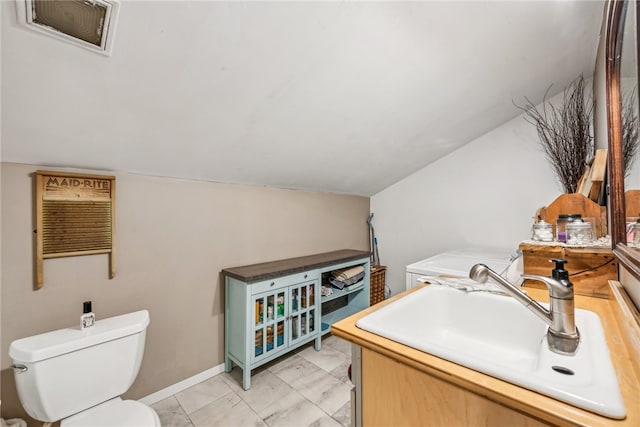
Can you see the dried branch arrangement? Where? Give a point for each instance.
(629, 131)
(565, 132)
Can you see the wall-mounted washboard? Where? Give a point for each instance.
(75, 216)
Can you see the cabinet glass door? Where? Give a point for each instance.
(303, 314)
(269, 323)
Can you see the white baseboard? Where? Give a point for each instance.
(182, 385)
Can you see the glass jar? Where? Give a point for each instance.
(636, 234)
(633, 232)
(542, 231)
(579, 233)
(561, 225)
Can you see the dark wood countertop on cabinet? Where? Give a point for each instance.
(269, 270)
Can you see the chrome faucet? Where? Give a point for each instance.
(562, 335)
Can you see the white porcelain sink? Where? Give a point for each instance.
(498, 336)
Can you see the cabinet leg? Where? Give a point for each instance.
(228, 365)
(246, 378)
(318, 344)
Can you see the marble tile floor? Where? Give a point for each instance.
(303, 388)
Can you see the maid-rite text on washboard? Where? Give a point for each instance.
(75, 216)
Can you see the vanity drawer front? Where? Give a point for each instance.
(284, 281)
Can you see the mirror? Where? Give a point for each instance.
(617, 13)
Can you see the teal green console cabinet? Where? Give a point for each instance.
(272, 308)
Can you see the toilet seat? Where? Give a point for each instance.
(115, 413)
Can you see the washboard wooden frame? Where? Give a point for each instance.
(75, 215)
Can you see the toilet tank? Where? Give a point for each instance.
(70, 370)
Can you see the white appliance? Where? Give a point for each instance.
(458, 262)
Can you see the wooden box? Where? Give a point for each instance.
(575, 203)
(589, 269)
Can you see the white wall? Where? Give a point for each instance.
(484, 194)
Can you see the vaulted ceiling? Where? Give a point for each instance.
(346, 97)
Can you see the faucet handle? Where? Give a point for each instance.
(562, 289)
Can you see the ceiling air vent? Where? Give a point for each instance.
(87, 23)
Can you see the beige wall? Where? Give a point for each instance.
(172, 239)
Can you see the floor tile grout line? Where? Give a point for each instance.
(251, 408)
(184, 411)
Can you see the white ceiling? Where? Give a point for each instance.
(346, 97)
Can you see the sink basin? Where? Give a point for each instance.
(498, 336)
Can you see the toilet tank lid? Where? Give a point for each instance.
(55, 343)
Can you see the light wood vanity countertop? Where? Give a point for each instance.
(623, 337)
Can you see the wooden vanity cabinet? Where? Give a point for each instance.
(398, 394)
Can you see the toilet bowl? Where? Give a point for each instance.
(77, 376)
(115, 412)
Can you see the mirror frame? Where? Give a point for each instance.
(616, 14)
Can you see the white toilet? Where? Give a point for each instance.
(77, 375)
